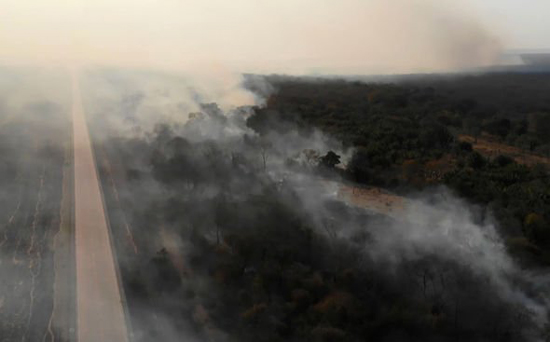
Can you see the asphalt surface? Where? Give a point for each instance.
(100, 310)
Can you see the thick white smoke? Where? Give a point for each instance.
(212, 42)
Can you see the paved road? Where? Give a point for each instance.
(100, 312)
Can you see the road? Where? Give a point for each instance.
(100, 309)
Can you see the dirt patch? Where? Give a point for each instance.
(372, 198)
(491, 148)
(173, 245)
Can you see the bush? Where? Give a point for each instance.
(465, 146)
(503, 161)
(476, 161)
(537, 228)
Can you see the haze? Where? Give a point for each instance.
(349, 36)
(282, 171)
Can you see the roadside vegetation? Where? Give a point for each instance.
(231, 241)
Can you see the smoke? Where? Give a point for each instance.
(218, 38)
(34, 133)
(437, 223)
(177, 158)
(206, 188)
(227, 202)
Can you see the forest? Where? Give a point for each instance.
(227, 227)
(411, 133)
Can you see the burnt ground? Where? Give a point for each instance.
(34, 162)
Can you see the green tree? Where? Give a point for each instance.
(541, 126)
(330, 159)
(472, 127)
(476, 161)
(537, 228)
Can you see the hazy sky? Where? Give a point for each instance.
(271, 36)
(524, 24)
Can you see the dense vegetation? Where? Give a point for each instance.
(232, 237)
(405, 135)
(257, 267)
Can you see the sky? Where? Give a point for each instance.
(289, 36)
(523, 24)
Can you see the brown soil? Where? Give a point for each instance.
(491, 147)
(372, 198)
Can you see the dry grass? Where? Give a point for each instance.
(491, 147)
(372, 198)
